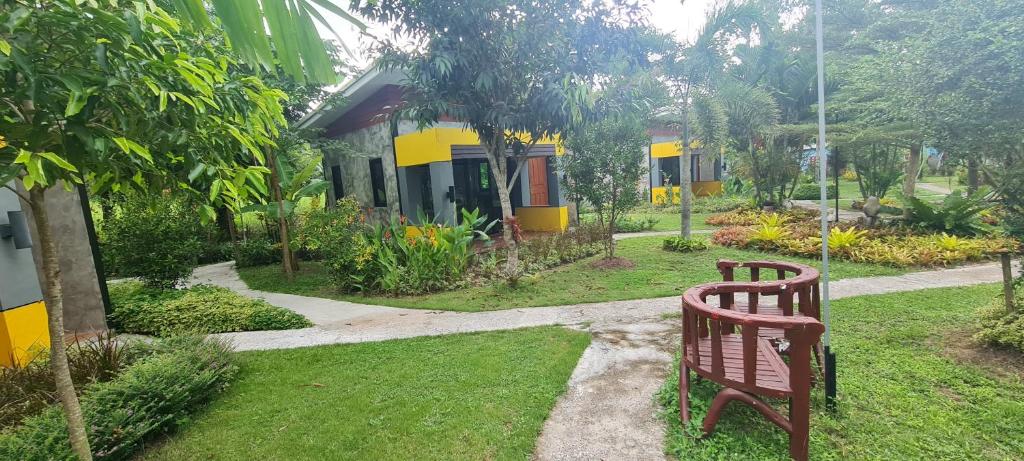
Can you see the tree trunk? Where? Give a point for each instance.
(495, 149)
(54, 298)
(685, 183)
(287, 258)
(910, 174)
(972, 175)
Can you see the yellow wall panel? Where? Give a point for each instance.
(671, 148)
(699, 188)
(23, 333)
(435, 145)
(543, 218)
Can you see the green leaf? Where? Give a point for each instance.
(57, 160)
(132, 147)
(310, 190)
(198, 170)
(207, 214)
(5, 47)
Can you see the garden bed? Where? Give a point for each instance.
(901, 395)
(797, 233)
(657, 273)
(471, 396)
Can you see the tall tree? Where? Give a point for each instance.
(120, 98)
(694, 72)
(514, 71)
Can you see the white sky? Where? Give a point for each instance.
(682, 18)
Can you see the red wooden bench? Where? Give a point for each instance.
(738, 345)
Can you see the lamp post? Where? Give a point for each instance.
(830, 358)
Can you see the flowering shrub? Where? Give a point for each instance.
(401, 260)
(733, 236)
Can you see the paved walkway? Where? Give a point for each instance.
(629, 235)
(608, 410)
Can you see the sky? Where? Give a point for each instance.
(682, 18)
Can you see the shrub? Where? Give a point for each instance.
(29, 389)
(750, 217)
(257, 252)
(546, 251)
(319, 229)
(812, 191)
(151, 397)
(427, 258)
(683, 245)
(641, 224)
(1001, 328)
(733, 236)
(153, 239)
(957, 214)
(214, 252)
(768, 234)
(201, 309)
(840, 240)
(719, 203)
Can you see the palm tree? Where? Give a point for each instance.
(286, 31)
(695, 72)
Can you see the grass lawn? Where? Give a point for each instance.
(911, 386)
(472, 396)
(657, 273)
(667, 220)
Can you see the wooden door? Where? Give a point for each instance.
(538, 181)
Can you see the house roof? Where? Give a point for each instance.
(353, 92)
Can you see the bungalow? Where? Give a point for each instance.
(663, 157)
(398, 169)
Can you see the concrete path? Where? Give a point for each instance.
(608, 411)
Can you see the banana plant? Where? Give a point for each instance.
(296, 182)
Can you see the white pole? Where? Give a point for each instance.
(830, 384)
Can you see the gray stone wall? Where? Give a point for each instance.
(367, 143)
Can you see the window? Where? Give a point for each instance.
(669, 167)
(380, 195)
(339, 188)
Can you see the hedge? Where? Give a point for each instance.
(200, 309)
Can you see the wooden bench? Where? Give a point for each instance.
(738, 345)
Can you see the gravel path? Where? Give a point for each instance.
(608, 411)
(936, 188)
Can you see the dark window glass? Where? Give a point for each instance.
(339, 188)
(380, 195)
(669, 167)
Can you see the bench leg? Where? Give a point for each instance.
(684, 393)
(800, 419)
(728, 395)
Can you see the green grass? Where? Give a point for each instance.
(657, 273)
(902, 396)
(666, 220)
(472, 396)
